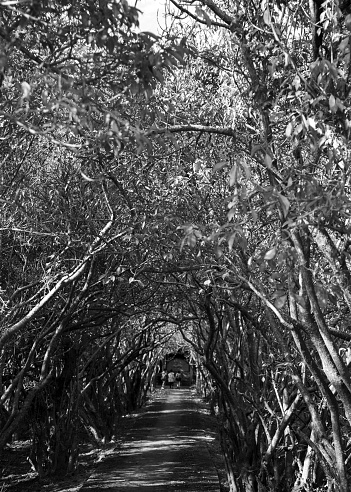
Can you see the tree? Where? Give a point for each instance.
(286, 229)
(68, 75)
(201, 188)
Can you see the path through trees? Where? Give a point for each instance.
(189, 191)
(166, 450)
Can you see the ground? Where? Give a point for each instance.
(17, 475)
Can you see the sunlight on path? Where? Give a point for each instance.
(166, 450)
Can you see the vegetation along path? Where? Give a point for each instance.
(175, 199)
(165, 450)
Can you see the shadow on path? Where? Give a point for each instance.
(165, 451)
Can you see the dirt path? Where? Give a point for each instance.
(164, 451)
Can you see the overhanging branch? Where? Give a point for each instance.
(196, 17)
(229, 132)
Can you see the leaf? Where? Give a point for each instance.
(231, 241)
(110, 45)
(289, 129)
(268, 161)
(231, 214)
(270, 254)
(348, 22)
(267, 17)
(311, 122)
(279, 292)
(202, 14)
(287, 59)
(191, 240)
(332, 102)
(280, 301)
(3, 62)
(344, 44)
(220, 165)
(158, 75)
(296, 82)
(135, 280)
(218, 251)
(25, 90)
(285, 204)
(304, 121)
(233, 175)
(197, 165)
(322, 294)
(254, 215)
(179, 56)
(246, 168)
(87, 178)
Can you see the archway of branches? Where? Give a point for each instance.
(183, 192)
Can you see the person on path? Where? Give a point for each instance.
(163, 379)
(171, 379)
(178, 377)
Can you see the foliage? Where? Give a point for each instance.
(195, 183)
(78, 343)
(285, 239)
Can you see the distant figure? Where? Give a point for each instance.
(178, 377)
(171, 379)
(163, 379)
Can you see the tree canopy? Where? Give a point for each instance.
(184, 189)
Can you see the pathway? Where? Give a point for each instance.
(164, 451)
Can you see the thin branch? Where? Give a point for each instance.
(196, 17)
(230, 132)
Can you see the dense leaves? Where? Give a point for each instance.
(191, 188)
